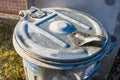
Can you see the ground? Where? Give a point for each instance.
(11, 67)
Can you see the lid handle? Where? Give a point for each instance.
(81, 39)
(32, 12)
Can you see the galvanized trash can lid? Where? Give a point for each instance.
(61, 36)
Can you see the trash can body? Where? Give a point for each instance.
(34, 72)
(60, 43)
(106, 11)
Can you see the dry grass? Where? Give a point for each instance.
(11, 67)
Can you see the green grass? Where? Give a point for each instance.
(11, 67)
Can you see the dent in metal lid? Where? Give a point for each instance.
(62, 35)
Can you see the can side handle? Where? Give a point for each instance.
(85, 75)
(114, 41)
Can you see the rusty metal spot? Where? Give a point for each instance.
(35, 77)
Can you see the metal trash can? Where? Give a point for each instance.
(60, 43)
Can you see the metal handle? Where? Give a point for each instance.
(114, 42)
(73, 76)
(32, 12)
(85, 75)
